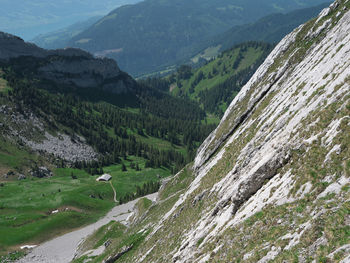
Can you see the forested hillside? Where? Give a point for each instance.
(114, 123)
(146, 36)
(217, 82)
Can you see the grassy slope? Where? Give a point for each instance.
(224, 70)
(3, 83)
(11, 157)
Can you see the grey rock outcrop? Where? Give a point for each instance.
(21, 177)
(29, 130)
(64, 147)
(41, 172)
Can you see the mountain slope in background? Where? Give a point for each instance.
(31, 18)
(270, 29)
(152, 33)
(215, 84)
(60, 38)
(272, 182)
(64, 66)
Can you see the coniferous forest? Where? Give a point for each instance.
(115, 132)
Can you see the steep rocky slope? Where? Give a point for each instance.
(284, 138)
(272, 181)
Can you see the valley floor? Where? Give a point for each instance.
(63, 249)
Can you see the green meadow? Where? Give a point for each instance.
(26, 206)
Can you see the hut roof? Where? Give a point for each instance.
(104, 177)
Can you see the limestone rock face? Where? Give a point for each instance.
(67, 66)
(271, 179)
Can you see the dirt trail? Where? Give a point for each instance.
(115, 193)
(62, 249)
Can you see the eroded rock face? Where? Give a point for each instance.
(114, 258)
(79, 68)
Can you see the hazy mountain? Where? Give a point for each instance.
(270, 29)
(152, 33)
(60, 38)
(28, 19)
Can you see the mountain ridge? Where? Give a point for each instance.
(31, 18)
(257, 30)
(59, 38)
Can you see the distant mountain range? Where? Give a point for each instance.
(153, 33)
(28, 19)
(60, 38)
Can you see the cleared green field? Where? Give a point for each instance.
(26, 206)
(126, 182)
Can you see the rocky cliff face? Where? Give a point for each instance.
(66, 66)
(272, 181)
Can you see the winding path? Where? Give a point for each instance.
(62, 249)
(115, 193)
